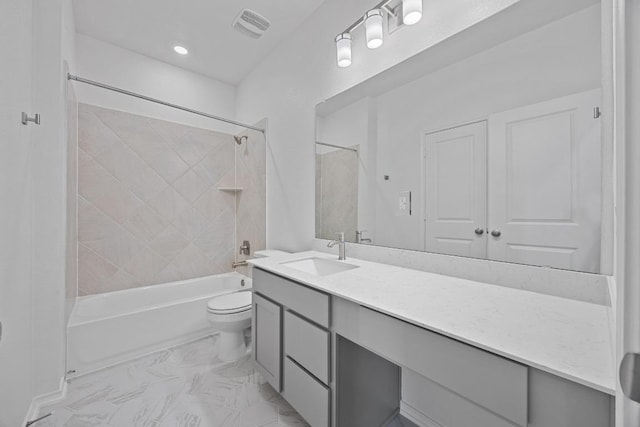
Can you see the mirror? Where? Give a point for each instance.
(488, 145)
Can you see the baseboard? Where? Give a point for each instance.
(416, 417)
(45, 399)
(391, 418)
(32, 412)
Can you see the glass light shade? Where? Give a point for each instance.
(373, 28)
(411, 11)
(343, 49)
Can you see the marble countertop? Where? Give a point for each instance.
(567, 338)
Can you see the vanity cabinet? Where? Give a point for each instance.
(487, 380)
(451, 384)
(292, 344)
(267, 348)
(345, 365)
(307, 344)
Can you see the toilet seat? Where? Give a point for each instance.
(235, 302)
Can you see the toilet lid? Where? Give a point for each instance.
(234, 302)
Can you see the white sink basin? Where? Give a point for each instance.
(319, 266)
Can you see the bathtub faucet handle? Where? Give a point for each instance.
(245, 249)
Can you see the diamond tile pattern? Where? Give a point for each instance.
(149, 205)
(337, 194)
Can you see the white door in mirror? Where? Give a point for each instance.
(456, 190)
(545, 192)
(530, 193)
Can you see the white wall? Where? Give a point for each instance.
(69, 35)
(53, 44)
(627, 274)
(112, 65)
(32, 248)
(556, 60)
(301, 72)
(16, 379)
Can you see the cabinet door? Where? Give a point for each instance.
(267, 341)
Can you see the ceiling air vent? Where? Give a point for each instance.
(251, 23)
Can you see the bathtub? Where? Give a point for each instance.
(107, 329)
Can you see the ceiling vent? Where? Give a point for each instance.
(251, 23)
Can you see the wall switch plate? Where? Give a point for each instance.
(404, 204)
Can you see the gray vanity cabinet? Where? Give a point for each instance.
(292, 343)
(344, 365)
(307, 344)
(266, 336)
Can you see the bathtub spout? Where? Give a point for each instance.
(239, 264)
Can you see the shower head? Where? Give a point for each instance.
(239, 139)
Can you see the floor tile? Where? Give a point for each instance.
(185, 386)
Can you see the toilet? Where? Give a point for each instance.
(231, 315)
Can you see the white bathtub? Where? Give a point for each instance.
(110, 328)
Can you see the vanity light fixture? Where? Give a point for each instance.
(180, 50)
(343, 48)
(373, 28)
(411, 11)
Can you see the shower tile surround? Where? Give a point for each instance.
(182, 386)
(337, 194)
(150, 208)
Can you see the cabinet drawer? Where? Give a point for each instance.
(312, 304)
(308, 396)
(308, 345)
(490, 381)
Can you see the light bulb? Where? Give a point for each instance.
(181, 50)
(343, 50)
(411, 11)
(373, 28)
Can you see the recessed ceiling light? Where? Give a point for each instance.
(181, 50)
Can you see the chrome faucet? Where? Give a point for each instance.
(360, 239)
(341, 246)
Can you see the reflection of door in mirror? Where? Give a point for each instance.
(545, 186)
(456, 190)
(336, 191)
(535, 199)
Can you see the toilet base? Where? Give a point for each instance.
(231, 346)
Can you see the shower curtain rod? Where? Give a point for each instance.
(157, 101)
(336, 146)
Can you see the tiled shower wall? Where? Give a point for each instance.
(160, 202)
(337, 194)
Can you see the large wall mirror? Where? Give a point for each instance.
(489, 145)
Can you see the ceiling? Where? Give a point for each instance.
(153, 27)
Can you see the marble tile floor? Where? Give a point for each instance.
(185, 386)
